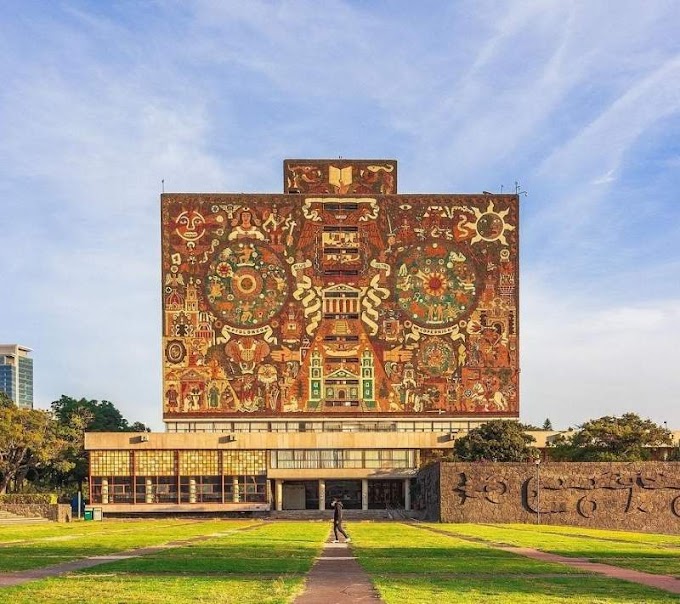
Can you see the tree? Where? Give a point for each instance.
(498, 440)
(139, 427)
(547, 424)
(29, 442)
(104, 417)
(75, 417)
(609, 438)
(5, 401)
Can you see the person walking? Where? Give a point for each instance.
(336, 504)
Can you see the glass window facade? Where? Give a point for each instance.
(16, 374)
(311, 459)
(173, 476)
(325, 426)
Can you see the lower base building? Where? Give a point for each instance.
(265, 465)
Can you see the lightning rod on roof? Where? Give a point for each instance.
(163, 185)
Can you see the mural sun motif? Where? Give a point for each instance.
(490, 225)
(434, 284)
(247, 284)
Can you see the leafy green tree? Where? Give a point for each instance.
(30, 442)
(547, 424)
(103, 415)
(75, 417)
(498, 440)
(139, 427)
(610, 438)
(5, 401)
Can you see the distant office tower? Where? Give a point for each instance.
(16, 374)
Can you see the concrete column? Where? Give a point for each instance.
(105, 490)
(235, 488)
(279, 495)
(407, 494)
(364, 493)
(192, 490)
(322, 494)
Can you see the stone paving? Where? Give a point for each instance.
(337, 578)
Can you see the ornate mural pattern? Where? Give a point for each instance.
(324, 303)
(340, 177)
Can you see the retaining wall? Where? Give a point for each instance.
(640, 496)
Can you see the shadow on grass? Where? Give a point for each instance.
(518, 590)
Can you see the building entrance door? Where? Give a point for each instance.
(347, 491)
(301, 495)
(293, 496)
(385, 493)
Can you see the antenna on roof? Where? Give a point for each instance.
(162, 185)
(518, 190)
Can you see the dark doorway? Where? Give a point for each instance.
(385, 493)
(347, 491)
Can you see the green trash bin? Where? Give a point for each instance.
(88, 515)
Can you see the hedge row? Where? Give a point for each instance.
(28, 498)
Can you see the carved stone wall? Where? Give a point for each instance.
(57, 512)
(642, 496)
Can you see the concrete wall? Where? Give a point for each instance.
(641, 496)
(266, 440)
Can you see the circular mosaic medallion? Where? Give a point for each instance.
(247, 284)
(435, 284)
(490, 226)
(436, 356)
(175, 351)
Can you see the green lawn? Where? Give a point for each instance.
(651, 553)
(272, 548)
(266, 562)
(410, 565)
(36, 546)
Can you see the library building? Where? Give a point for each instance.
(322, 342)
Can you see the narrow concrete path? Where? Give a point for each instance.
(337, 578)
(43, 572)
(665, 582)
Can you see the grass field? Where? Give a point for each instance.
(410, 565)
(266, 562)
(659, 554)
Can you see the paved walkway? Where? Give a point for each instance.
(337, 578)
(665, 582)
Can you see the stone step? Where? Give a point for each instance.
(12, 518)
(347, 515)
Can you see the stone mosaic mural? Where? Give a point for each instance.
(356, 303)
(617, 495)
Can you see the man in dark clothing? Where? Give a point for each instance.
(337, 520)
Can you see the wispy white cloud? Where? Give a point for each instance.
(101, 102)
(582, 361)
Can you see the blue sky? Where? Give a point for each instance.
(577, 101)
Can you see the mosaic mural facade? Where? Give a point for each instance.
(341, 298)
